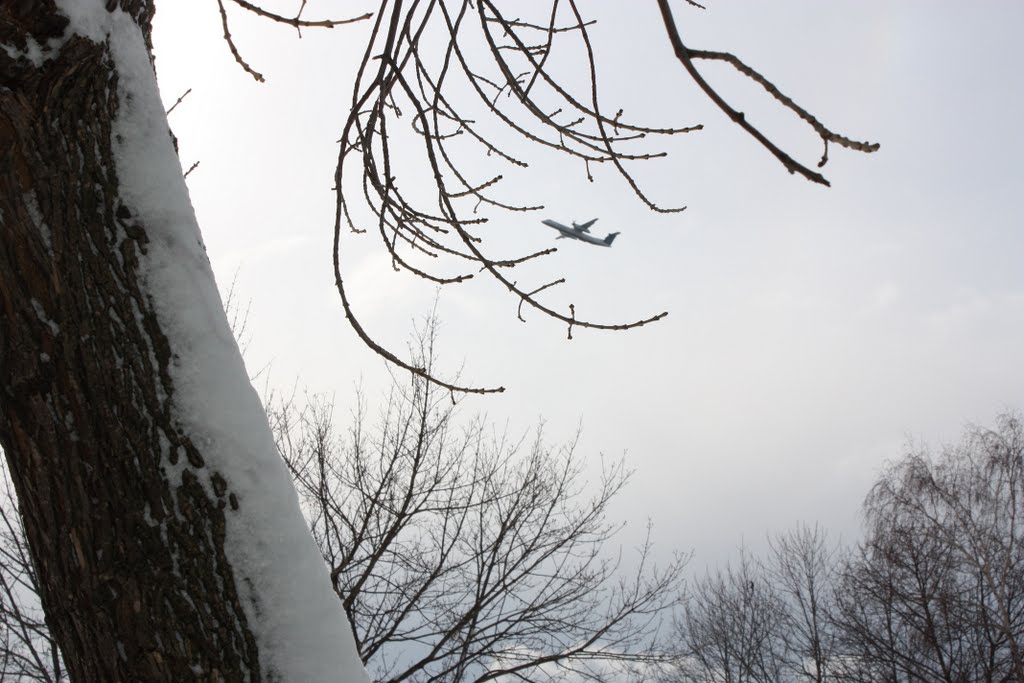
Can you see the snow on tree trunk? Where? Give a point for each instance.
(164, 526)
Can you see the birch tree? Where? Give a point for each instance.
(936, 590)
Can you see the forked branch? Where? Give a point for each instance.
(687, 56)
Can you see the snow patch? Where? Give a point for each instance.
(295, 615)
(35, 52)
(44, 318)
(36, 215)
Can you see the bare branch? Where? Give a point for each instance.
(686, 57)
(297, 21)
(514, 90)
(175, 105)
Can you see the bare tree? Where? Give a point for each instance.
(936, 590)
(462, 555)
(933, 593)
(900, 609)
(733, 628)
(128, 505)
(27, 650)
(801, 566)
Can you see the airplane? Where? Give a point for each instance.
(580, 231)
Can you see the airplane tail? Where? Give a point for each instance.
(610, 238)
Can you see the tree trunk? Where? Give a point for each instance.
(126, 514)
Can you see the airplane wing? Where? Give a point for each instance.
(584, 227)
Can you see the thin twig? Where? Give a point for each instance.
(173, 106)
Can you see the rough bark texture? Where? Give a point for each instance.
(135, 582)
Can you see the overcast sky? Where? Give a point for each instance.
(811, 331)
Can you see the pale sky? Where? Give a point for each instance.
(811, 331)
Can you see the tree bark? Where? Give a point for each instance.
(134, 577)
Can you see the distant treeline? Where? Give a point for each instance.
(933, 592)
(461, 554)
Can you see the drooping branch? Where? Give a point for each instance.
(396, 74)
(458, 71)
(297, 22)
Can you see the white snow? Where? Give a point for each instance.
(34, 51)
(36, 214)
(44, 318)
(298, 621)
